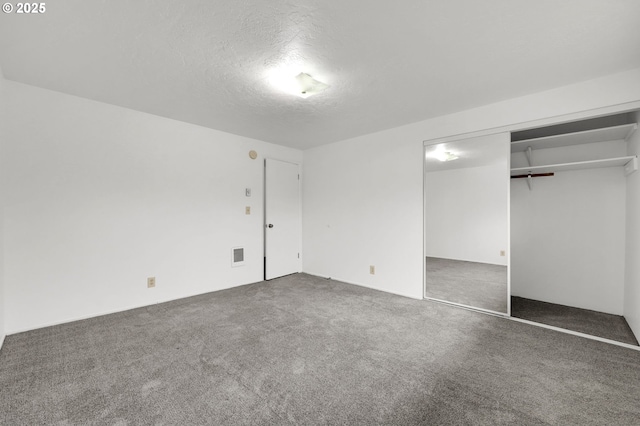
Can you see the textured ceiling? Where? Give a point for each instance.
(388, 63)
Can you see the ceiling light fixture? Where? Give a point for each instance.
(296, 83)
(308, 85)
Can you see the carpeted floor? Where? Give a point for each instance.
(305, 350)
(613, 327)
(479, 285)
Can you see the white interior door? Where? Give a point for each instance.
(282, 218)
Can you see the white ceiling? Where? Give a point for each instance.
(388, 63)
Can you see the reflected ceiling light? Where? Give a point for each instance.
(447, 156)
(444, 155)
(300, 84)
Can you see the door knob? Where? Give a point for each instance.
(270, 225)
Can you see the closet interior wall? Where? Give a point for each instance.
(570, 241)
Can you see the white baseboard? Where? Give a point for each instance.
(117, 310)
(143, 305)
(363, 285)
(2, 336)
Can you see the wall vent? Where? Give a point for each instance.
(237, 256)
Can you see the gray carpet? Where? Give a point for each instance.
(613, 327)
(480, 285)
(305, 350)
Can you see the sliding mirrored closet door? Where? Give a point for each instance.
(466, 222)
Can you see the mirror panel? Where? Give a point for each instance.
(466, 222)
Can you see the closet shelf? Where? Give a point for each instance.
(577, 165)
(605, 134)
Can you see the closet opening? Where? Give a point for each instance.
(575, 226)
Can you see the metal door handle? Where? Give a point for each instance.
(270, 225)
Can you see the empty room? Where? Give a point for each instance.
(357, 212)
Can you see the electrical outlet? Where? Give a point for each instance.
(502, 253)
(247, 210)
(372, 270)
(151, 282)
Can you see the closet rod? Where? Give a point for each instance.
(532, 175)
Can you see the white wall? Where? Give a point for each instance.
(2, 196)
(360, 209)
(632, 264)
(100, 197)
(363, 197)
(3, 305)
(466, 214)
(568, 233)
(2, 298)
